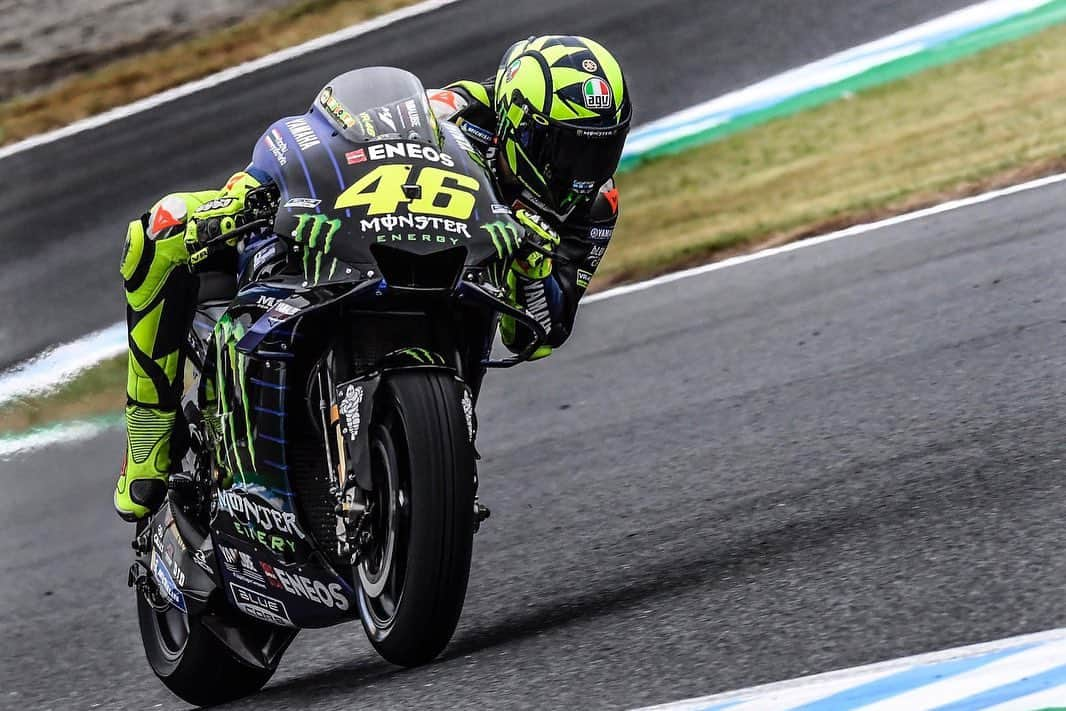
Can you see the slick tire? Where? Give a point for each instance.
(195, 666)
(421, 433)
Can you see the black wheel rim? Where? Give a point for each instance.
(383, 570)
(172, 630)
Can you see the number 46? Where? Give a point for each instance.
(381, 191)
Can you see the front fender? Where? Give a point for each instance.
(353, 405)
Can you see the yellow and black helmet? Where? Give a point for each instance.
(562, 111)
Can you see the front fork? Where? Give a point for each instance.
(344, 413)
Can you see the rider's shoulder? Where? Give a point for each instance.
(604, 207)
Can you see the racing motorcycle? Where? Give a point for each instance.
(328, 466)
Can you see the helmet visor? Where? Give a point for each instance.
(573, 160)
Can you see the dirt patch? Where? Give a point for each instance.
(42, 41)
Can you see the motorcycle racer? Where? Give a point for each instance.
(551, 124)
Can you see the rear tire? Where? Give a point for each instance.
(412, 590)
(191, 661)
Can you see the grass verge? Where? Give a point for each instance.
(126, 80)
(993, 119)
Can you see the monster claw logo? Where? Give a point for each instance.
(309, 231)
(504, 237)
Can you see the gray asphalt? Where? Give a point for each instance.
(843, 454)
(66, 204)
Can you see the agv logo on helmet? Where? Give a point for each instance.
(597, 94)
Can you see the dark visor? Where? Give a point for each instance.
(576, 160)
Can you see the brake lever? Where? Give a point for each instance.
(213, 245)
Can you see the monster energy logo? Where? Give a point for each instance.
(423, 356)
(504, 237)
(309, 229)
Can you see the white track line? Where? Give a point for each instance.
(63, 433)
(269, 60)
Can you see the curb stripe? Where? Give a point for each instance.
(1028, 685)
(902, 681)
(1024, 672)
(902, 54)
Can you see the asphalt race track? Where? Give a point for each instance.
(835, 456)
(840, 455)
(66, 204)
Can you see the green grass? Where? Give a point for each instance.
(95, 391)
(993, 119)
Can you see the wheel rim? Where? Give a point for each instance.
(382, 572)
(172, 631)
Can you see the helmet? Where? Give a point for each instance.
(562, 113)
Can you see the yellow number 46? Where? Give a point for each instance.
(443, 192)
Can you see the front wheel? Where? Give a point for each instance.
(412, 579)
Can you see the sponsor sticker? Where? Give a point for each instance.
(476, 132)
(335, 109)
(385, 116)
(512, 69)
(216, 204)
(257, 522)
(326, 594)
(263, 255)
(583, 186)
(303, 133)
(499, 209)
(583, 278)
(276, 144)
(597, 94)
(413, 118)
(459, 136)
(240, 565)
(596, 254)
(309, 203)
(414, 222)
(601, 234)
(166, 583)
(367, 123)
(589, 66)
(349, 409)
(385, 151)
(260, 606)
(170, 212)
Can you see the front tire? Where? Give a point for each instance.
(413, 581)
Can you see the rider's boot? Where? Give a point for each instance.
(160, 299)
(142, 484)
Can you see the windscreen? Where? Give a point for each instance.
(376, 104)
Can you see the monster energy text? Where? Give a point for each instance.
(414, 222)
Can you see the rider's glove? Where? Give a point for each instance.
(533, 260)
(242, 201)
(532, 265)
(210, 223)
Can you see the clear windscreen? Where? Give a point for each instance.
(379, 103)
